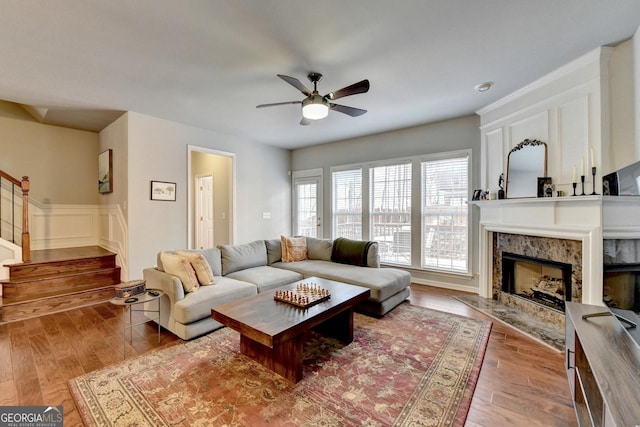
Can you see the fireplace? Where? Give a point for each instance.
(537, 280)
(572, 230)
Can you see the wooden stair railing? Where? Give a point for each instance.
(24, 186)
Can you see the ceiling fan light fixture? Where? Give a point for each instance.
(315, 108)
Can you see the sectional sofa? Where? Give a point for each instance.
(247, 269)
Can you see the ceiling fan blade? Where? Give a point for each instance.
(360, 87)
(295, 83)
(350, 111)
(278, 103)
(305, 122)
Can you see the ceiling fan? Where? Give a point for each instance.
(316, 106)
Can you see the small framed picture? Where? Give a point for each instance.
(105, 172)
(476, 194)
(545, 187)
(161, 190)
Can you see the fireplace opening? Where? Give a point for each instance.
(538, 280)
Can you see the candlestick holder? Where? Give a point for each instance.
(575, 184)
(593, 180)
(582, 181)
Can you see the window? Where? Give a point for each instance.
(445, 229)
(347, 204)
(416, 208)
(390, 213)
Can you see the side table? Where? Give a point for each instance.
(128, 304)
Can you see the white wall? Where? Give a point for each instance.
(622, 147)
(61, 163)
(115, 137)
(636, 88)
(450, 135)
(157, 150)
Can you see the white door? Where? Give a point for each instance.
(204, 212)
(307, 204)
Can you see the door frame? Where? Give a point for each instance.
(190, 195)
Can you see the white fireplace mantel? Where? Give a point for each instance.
(588, 219)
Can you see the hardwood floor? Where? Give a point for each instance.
(522, 382)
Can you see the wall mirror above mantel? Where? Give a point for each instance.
(526, 162)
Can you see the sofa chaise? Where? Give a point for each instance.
(247, 269)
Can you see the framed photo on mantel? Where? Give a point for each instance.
(545, 187)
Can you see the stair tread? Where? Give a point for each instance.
(6, 302)
(43, 277)
(66, 254)
(30, 309)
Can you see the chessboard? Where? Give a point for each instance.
(303, 295)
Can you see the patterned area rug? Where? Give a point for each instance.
(413, 367)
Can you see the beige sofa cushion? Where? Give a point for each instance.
(240, 257)
(383, 282)
(274, 250)
(197, 305)
(265, 277)
(319, 249)
(211, 254)
(180, 267)
(200, 266)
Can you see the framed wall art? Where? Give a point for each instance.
(161, 190)
(105, 172)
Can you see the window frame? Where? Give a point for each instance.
(416, 208)
(445, 156)
(363, 179)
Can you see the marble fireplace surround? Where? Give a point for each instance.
(567, 252)
(584, 219)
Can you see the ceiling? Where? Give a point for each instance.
(208, 63)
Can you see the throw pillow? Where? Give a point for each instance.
(319, 249)
(200, 266)
(293, 248)
(178, 266)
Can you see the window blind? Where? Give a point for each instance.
(445, 229)
(390, 213)
(347, 204)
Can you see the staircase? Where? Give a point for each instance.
(58, 279)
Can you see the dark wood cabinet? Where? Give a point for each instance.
(603, 368)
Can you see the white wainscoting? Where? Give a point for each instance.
(64, 226)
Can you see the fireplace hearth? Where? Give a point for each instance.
(537, 280)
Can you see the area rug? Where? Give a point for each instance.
(413, 367)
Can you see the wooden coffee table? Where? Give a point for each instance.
(272, 332)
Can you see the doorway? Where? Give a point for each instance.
(211, 198)
(307, 203)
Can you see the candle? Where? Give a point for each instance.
(593, 162)
(582, 166)
(574, 174)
